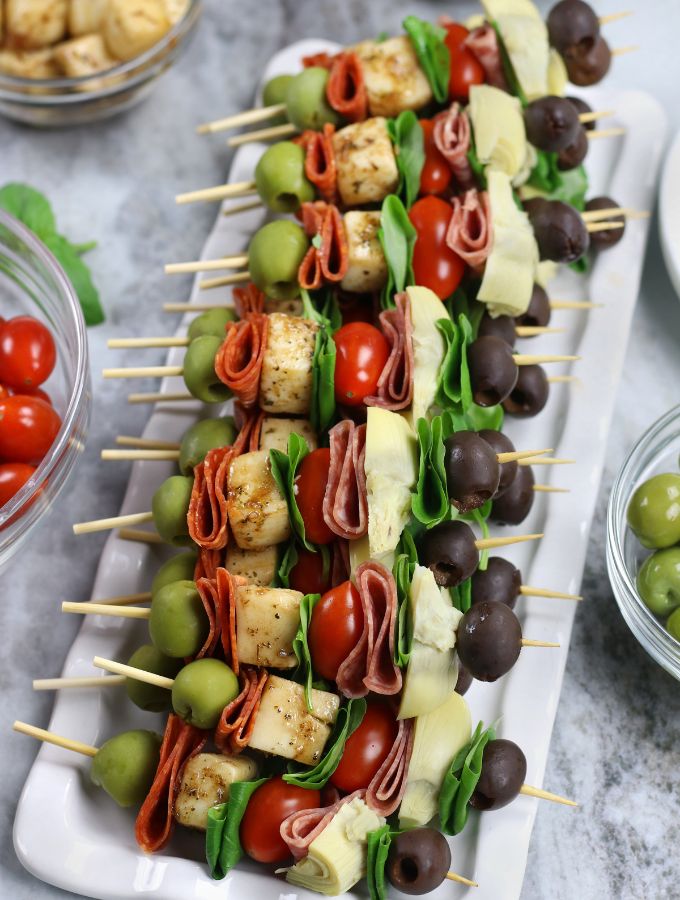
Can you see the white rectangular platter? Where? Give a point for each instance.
(70, 834)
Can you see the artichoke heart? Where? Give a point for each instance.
(336, 860)
(498, 126)
(526, 39)
(429, 347)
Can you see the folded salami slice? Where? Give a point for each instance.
(248, 299)
(395, 385)
(389, 782)
(302, 827)
(340, 566)
(207, 516)
(238, 718)
(320, 166)
(370, 665)
(452, 136)
(217, 596)
(155, 820)
(346, 91)
(238, 362)
(470, 234)
(345, 508)
(483, 43)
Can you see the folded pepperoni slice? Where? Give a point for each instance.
(238, 718)
(346, 91)
(310, 275)
(248, 299)
(217, 596)
(207, 517)
(320, 165)
(322, 60)
(334, 250)
(395, 386)
(238, 362)
(207, 563)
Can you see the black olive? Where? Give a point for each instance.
(500, 581)
(464, 680)
(472, 470)
(418, 860)
(449, 550)
(504, 768)
(493, 371)
(589, 67)
(489, 640)
(530, 394)
(502, 327)
(551, 123)
(538, 311)
(575, 153)
(572, 23)
(515, 504)
(559, 230)
(501, 443)
(604, 239)
(582, 107)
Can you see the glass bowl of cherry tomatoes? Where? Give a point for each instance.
(45, 393)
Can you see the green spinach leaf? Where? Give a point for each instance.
(402, 571)
(461, 780)
(407, 137)
(377, 849)
(397, 238)
(430, 501)
(301, 647)
(284, 466)
(433, 54)
(222, 843)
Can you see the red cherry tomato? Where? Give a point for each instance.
(27, 352)
(435, 265)
(269, 805)
(310, 486)
(28, 427)
(456, 35)
(436, 174)
(13, 476)
(361, 353)
(367, 748)
(5, 392)
(335, 628)
(307, 575)
(37, 392)
(465, 69)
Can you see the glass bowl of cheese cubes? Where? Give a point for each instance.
(69, 62)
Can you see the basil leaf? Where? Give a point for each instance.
(508, 68)
(480, 418)
(288, 561)
(402, 572)
(322, 404)
(461, 780)
(433, 54)
(430, 501)
(222, 843)
(407, 137)
(30, 207)
(284, 466)
(397, 238)
(79, 276)
(348, 720)
(301, 647)
(377, 849)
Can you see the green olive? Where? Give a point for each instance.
(178, 624)
(213, 322)
(654, 512)
(201, 691)
(148, 696)
(306, 101)
(673, 624)
(280, 178)
(274, 257)
(126, 764)
(658, 581)
(178, 568)
(199, 370)
(203, 436)
(273, 93)
(170, 506)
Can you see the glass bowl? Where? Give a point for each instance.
(655, 452)
(55, 102)
(33, 283)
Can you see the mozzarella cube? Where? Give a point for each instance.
(257, 511)
(367, 270)
(256, 566)
(393, 77)
(274, 433)
(206, 779)
(267, 620)
(367, 166)
(286, 379)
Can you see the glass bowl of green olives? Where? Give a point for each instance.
(643, 541)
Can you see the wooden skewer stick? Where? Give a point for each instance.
(140, 536)
(621, 51)
(107, 609)
(144, 372)
(594, 215)
(546, 461)
(123, 440)
(125, 343)
(525, 331)
(194, 307)
(514, 455)
(584, 118)
(242, 207)
(531, 359)
(492, 543)
(614, 17)
(113, 522)
(249, 117)
(236, 278)
(527, 591)
(605, 133)
(124, 599)
(94, 681)
(530, 791)
(528, 643)
(574, 304)
(218, 192)
(603, 226)
(207, 265)
(459, 879)
(262, 134)
(56, 739)
(110, 665)
(156, 455)
(549, 489)
(159, 397)
(562, 379)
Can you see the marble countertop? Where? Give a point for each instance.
(616, 738)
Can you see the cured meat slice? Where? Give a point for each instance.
(238, 718)
(323, 60)
(346, 91)
(345, 507)
(340, 566)
(483, 43)
(207, 517)
(452, 137)
(470, 234)
(155, 821)
(302, 827)
(248, 299)
(320, 164)
(217, 596)
(387, 786)
(395, 385)
(238, 362)
(207, 563)
(329, 260)
(310, 276)
(370, 665)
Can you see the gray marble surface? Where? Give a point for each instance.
(616, 738)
